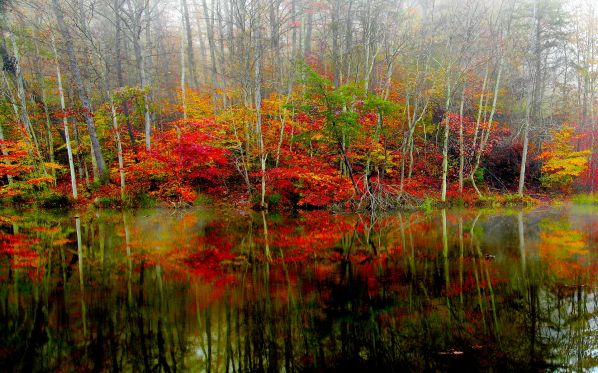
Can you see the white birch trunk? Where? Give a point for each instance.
(65, 123)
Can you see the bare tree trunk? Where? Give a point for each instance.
(140, 58)
(308, 30)
(480, 108)
(485, 136)
(367, 29)
(405, 144)
(121, 164)
(446, 137)
(184, 36)
(117, 42)
(202, 51)
(143, 73)
(348, 40)
(275, 42)
(282, 116)
(190, 51)
(524, 151)
(258, 109)
(23, 104)
(461, 143)
(388, 80)
(592, 89)
(65, 123)
(68, 41)
(119, 148)
(48, 121)
(294, 49)
(533, 108)
(211, 44)
(222, 62)
(119, 72)
(335, 43)
(591, 159)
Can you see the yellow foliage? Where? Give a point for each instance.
(53, 165)
(199, 106)
(562, 164)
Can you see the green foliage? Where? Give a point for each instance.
(479, 175)
(488, 201)
(585, 199)
(428, 204)
(274, 199)
(107, 202)
(146, 201)
(458, 202)
(505, 200)
(203, 200)
(511, 200)
(52, 199)
(377, 103)
(255, 199)
(337, 106)
(141, 200)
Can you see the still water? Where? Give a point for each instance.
(203, 290)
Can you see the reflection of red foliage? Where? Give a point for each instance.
(314, 232)
(18, 249)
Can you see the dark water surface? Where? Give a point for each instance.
(200, 290)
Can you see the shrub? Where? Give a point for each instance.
(427, 205)
(51, 199)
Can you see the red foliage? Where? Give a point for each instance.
(182, 161)
(469, 135)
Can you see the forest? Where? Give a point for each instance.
(297, 104)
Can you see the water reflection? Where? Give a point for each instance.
(157, 290)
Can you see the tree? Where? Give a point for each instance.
(83, 98)
(547, 19)
(561, 164)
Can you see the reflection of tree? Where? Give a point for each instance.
(570, 311)
(416, 291)
(565, 250)
(555, 301)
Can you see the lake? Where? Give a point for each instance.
(207, 290)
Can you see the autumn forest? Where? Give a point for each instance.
(297, 104)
